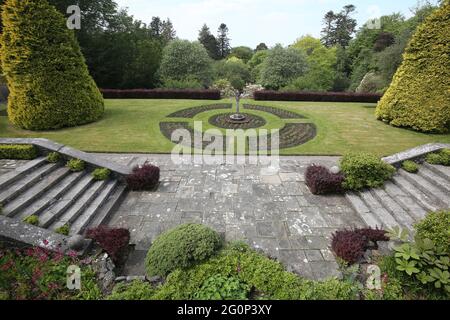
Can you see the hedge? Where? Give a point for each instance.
(419, 97)
(161, 94)
(18, 152)
(49, 82)
(316, 96)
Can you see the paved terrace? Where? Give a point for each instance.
(274, 213)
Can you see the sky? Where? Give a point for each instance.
(254, 21)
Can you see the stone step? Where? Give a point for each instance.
(421, 198)
(26, 182)
(72, 214)
(439, 170)
(363, 210)
(438, 180)
(68, 199)
(11, 177)
(442, 199)
(406, 201)
(377, 209)
(52, 196)
(103, 216)
(394, 208)
(93, 209)
(36, 191)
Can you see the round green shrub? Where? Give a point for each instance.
(365, 170)
(49, 82)
(436, 227)
(64, 230)
(53, 157)
(219, 287)
(441, 158)
(101, 174)
(181, 247)
(76, 165)
(137, 290)
(410, 166)
(33, 220)
(418, 96)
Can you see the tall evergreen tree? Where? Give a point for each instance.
(223, 41)
(49, 82)
(156, 26)
(207, 39)
(329, 30)
(261, 47)
(339, 28)
(168, 32)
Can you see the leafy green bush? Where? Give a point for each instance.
(53, 157)
(418, 96)
(181, 247)
(100, 174)
(219, 287)
(18, 152)
(33, 220)
(137, 290)
(267, 277)
(183, 84)
(49, 82)
(442, 157)
(76, 165)
(436, 227)
(365, 170)
(410, 166)
(64, 230)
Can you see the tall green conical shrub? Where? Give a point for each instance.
(49, 82)
(419, 96)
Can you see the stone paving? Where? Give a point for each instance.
(9, 165)
(274, 213)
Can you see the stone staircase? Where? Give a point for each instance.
(58, 196)
(406, 199)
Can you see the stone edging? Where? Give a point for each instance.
(51, 146)
(416, 153)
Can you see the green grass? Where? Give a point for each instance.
(133, 126)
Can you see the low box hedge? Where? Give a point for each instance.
(266, 95)
(18, 151)
(161, 94)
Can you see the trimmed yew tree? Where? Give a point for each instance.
(419, 96)
(49, 82)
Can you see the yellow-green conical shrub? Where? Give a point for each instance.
(419, 96)
(49, 82)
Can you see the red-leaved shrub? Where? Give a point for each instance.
(161, 94)
(113, 241)
(321, 181)
(350, 245)
(143, 178)
(266, 95)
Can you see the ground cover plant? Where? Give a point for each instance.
(321, 181)
(410, 166)
(145, 177)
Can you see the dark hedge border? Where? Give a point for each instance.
(192, 112)
(161, 94)
(266, 95)
(223, 121)
(280, 113)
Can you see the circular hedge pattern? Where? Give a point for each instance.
(291, 135)
(223, 121)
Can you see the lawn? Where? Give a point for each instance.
(133, 126)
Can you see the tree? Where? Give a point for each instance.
(49, 82)
(168, 32)
(156, 26)
(261, 47)
(243, 53)
(321, 65)
(231, 69)
(209, 42)
(186, 61)
(418, 97)
(255, 64)
(223, 41)
(282, 66)
(339, 28)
